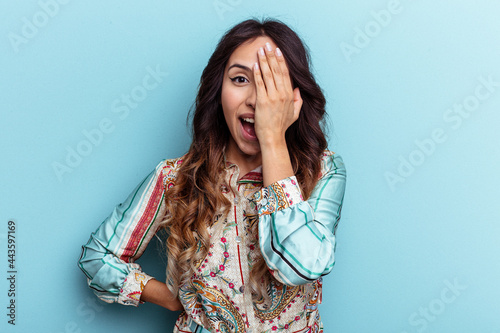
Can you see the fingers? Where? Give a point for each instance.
(259, 82)
(287, 82)
(274, 72)
(277, 105)
(267, 75)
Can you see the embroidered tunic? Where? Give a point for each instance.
(296, 239)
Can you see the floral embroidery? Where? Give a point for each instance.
(130, 293)
(281, 297)
(221, 313)
(169, 172)
(278, 196)
(219, 271)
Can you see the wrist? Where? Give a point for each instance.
(273, 143)
(158, 293)
(276, 163)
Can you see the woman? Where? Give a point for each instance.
(250, 211)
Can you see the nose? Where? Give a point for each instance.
(251, 99)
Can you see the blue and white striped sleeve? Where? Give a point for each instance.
(297, 237)
(108, 259)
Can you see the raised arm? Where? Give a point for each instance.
(297, 237)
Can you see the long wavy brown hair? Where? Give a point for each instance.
(196, 199)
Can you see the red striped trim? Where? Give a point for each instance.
(252, 176)
(236, 221)
(145, 221)
(238, 247)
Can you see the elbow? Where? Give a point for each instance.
(83, 264)
(294, 280)
(92, 257)
(305, 272)
(89, 264)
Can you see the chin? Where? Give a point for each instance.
(249, 150)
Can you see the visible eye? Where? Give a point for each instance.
(239, 79)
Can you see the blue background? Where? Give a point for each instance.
(418, 240)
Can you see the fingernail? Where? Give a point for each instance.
(261, 51)
(278, 52)
(256, 66)
(268, 46)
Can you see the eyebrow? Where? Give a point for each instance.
(239, 66)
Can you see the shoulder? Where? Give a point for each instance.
(168, 169)
(331, 162)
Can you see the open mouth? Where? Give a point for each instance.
(248, 125)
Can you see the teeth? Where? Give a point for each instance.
(249, 120)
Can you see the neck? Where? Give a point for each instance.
(245, 163)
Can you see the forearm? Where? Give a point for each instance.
(157, 292)
(276, 163)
